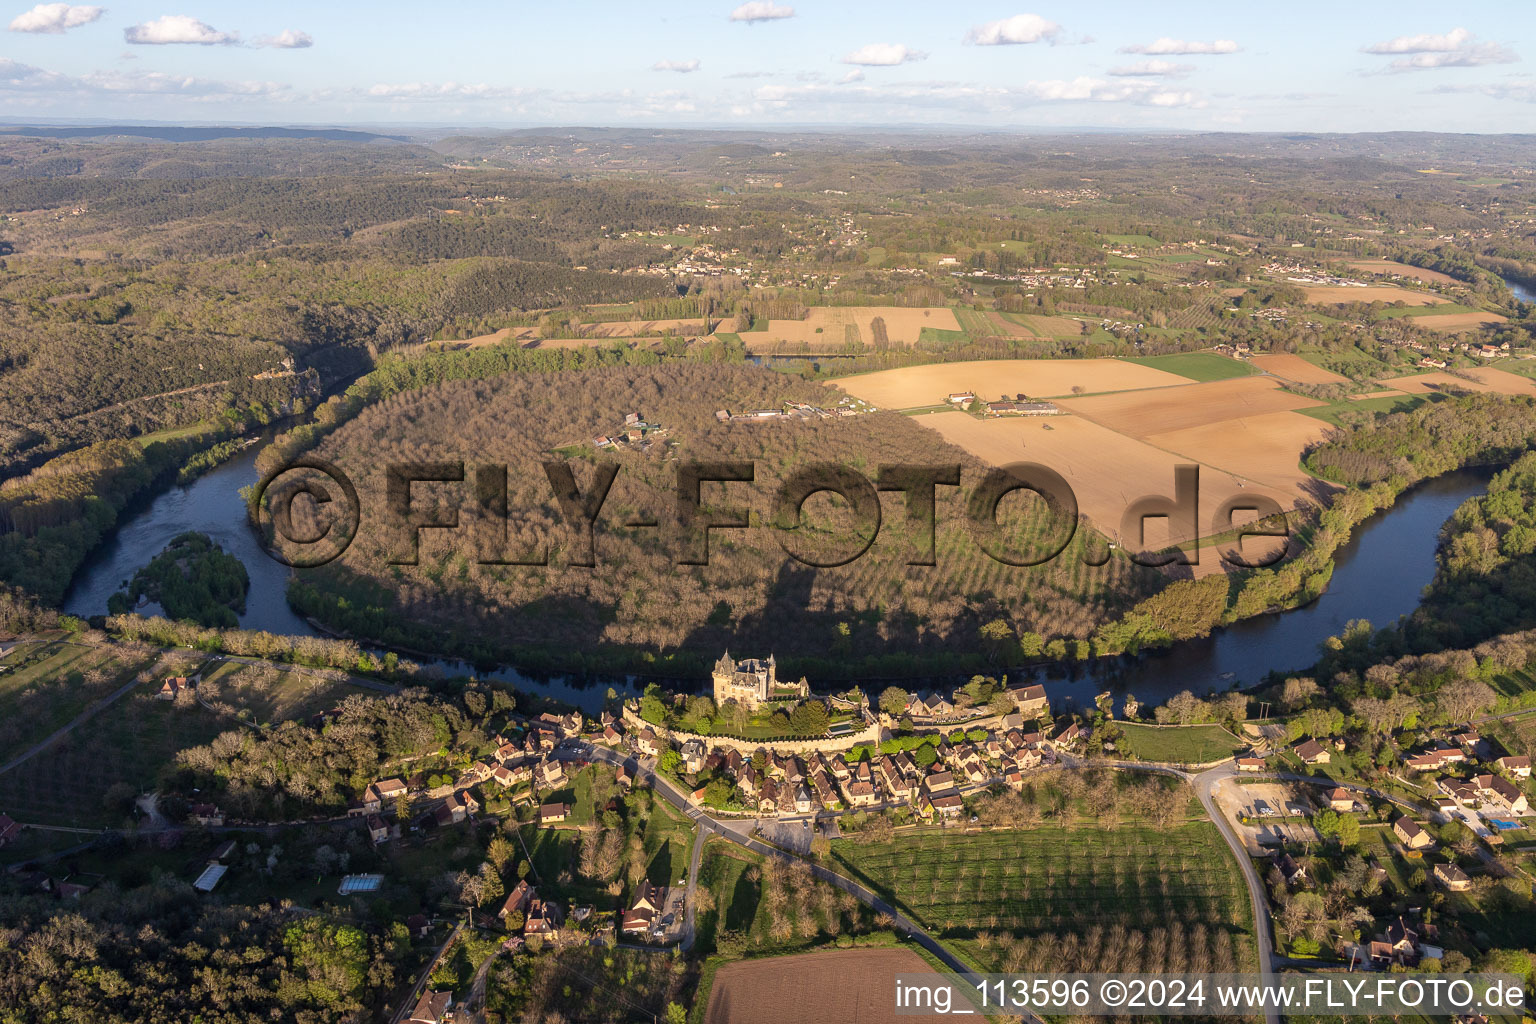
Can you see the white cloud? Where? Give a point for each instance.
(54, 19)
(1450, 41)
(1522, 90)
(178, 28)
(853, 76)
(1457, 48)
(440, 90)
(681, 66)
(1182, 47)
(948, 98)
(1152, 69)
(16, 77)
(1021, 28)
(761, 10)
(884, 55)
(287, 39)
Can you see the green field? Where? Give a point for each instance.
(264, 694)
(1351, 363)
(1194, 744)
(46, 685)
(1336, 412)
(1197, 366)
(1067, 894)
(129, 743)
(1145, 240)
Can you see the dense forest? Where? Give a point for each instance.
(750, 592)
(160, 951)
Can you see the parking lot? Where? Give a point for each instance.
(795, 834)
(1276, 814)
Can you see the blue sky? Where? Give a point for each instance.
(1299, 66)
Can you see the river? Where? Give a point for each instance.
(1379, 577)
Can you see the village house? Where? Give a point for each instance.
(648, 743)
(1452, 877)
(1311, 752)
(645, 912)
(207, 815)
(1496, 793)
(172, 688)
(456, 808)
(517, 900)
(551, 774)
(1031, 701)
(1519, 767)
(938, 782)
(378, 829)
(376, 796)
(1431, 760)
(551, 814)
(1250, 764)
(693, 755)
(543, 917)
(1292, 871)
(1069, 737)
(1341, 799)
(503, 776)
(9, 830)
(433, 1008)
(1411, 834)
(948, 804)
(861, 793)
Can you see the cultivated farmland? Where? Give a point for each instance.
(1049, 898)
(829, 987)
(1389, 268)
(1329, 295)
(1481, 380)
(1265, 449)
(1106, 470)
(1154, 412)
(1294, 368)
(829, 328)
(916, 386)
(1455, 323)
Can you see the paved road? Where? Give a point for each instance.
(1205, 787)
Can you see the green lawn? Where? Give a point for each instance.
(1195, 744)
(937, 335)
(1197, 366)
(1064, 894)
